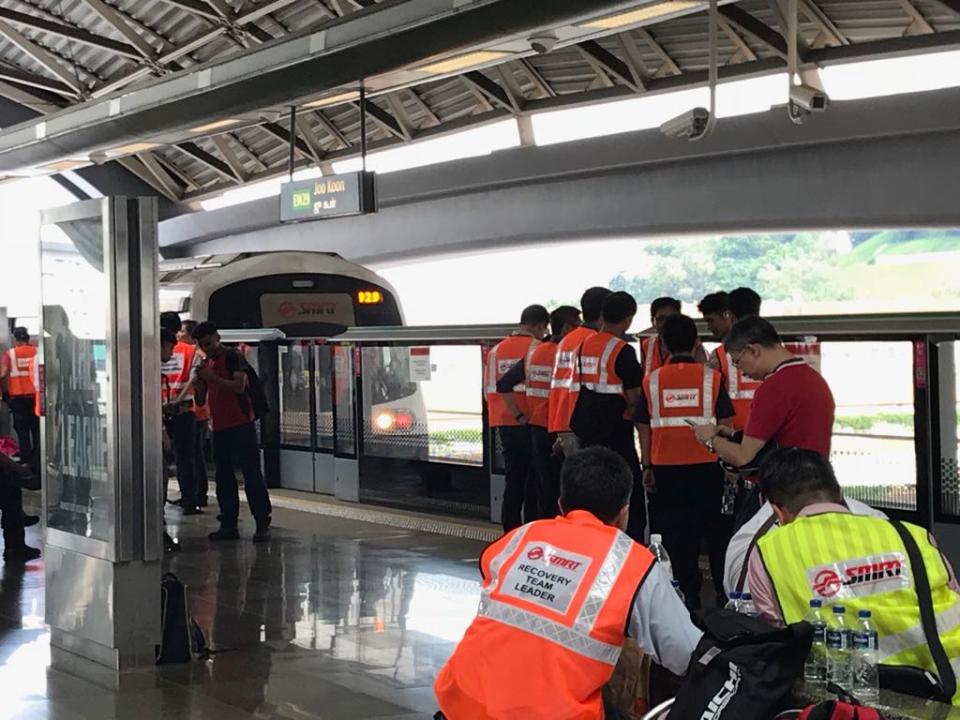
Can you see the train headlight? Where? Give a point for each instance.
(385, 421)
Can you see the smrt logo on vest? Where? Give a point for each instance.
(860, 577)
(545, 575)
(685, 397)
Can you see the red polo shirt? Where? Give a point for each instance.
(227, 409)
(794, 406)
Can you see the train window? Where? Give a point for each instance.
(343, 388)
(323, 382)
(294, 380)
(873, 450)
(949, 361)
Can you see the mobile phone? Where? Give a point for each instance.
(690, 422)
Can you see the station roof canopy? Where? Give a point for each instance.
(77, 67)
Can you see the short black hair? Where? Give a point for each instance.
(204, 329)
(744, 302)
(189, 325)
(171, 321)
(679, 334)
(563, 315)
(752, 330)
(663, 302)
(534, 315)
(794, 478)
(167, 336)
(618, 307)
(714, 304)
(591, 303)
(597, 480)
(20, 334)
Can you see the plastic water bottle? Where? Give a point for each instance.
(660, 553)
(746, 605)
(675, 584)
(864, 651)
(838, 649)
(729, 498)
(733, 601)
(815, 668)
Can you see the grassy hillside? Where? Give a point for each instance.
(903, 242)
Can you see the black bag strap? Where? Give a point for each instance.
(948, 678)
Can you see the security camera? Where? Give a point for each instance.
(809, 98)
(99, 157)
(690, 125)
(543, 43)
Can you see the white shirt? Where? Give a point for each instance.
(739, 545)
(660, 623)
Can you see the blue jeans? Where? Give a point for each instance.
(239, 443)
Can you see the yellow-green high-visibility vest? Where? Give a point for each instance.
(860, 562)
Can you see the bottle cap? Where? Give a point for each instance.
(864, 614)
(735, 595)
(816, 603)
(675, 583)
(839, 609)
(746, 596)
(656, 538)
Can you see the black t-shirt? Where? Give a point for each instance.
(724, 406)
(628, 368)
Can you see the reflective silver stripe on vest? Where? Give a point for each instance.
(947, 621)
(15, 370)
(537, 392)
(599, 593)
(549, 630)
(564, 362)
(501, 557)
(657, 421)
(604, 385)
(539, 373)
(492, 371)
(733, 382)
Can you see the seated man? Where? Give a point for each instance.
(558, 598)
(823, 551)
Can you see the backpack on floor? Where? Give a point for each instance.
(742, 668)
(180, 637)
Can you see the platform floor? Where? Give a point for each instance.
(334, 619)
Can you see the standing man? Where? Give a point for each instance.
(535, 375)
(744, 302)
(19, 390)
(178, 410)
(222, 381)
(511, 418)
(685, 481)
(610, 390)
(653, 351)
(793, 407)
(565, 381)
(202, 414)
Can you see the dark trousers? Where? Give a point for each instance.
(519, 495)
(622, 442)
(27, 426)
(182, 429)
(200, 433)
(547, 465)
(11, 511)
(686, 510)
(239, 443)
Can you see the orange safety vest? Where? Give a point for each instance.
(176, 371)
(598, 365)
(565, 382)
(539, 372)
(554, 607)
(20, 380)
(676, 393)
(502, 358)
(650, 352)
(35, 377)
(740, 388)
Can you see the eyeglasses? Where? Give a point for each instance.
(736, 360)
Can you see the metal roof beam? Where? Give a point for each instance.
(21, 77)
(424, 108)
(332, 130)
(164, 182)
(610, 63)
(42, 56)
(226, 152)
(489, 89)
(537, 79)
(281, 133)
(918, 24)
(214, 163)
(197, 7)
(136, 165)
(69, 32)
(403, 118)
(747, 23)
(317, 152)
(668, 62)
(743, 50)
(819, 18)
(952, 5)
(118, 22)
(385, 120)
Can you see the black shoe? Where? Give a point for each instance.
(192, 511)
(21, 555)
(169, 545)
(225, 533)
(263, 530)
(30, 520)
(202, 502)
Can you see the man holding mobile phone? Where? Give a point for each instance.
(683, 479)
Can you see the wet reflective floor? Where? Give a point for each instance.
(332, 619)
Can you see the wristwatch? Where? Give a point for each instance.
(709, 445)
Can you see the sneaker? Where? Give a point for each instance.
(30, 520)
(169, 545)
(21, 555)
(225, 533)
(192, 511)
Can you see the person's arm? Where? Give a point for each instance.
(713, 362)
(737, 454)
(516, 375)
(634, 398)
(660, 624)
(631, 375)
(725, 411)
(237, 381)
(5, 367)
(761, 588)
(739, 548)
(649, 481)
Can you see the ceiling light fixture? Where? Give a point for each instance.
(333, 99)
(462, 62)
(644, 14)
(214, 125)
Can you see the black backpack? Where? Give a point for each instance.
(255, 397)
(742, 668)
(180, 637)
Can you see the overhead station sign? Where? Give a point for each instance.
(328, 197)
